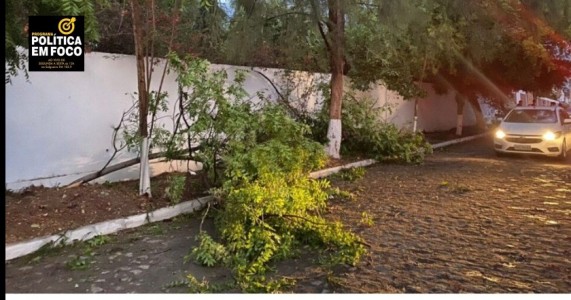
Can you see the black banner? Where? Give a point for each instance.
(56, 43)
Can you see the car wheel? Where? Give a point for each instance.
(563, 155)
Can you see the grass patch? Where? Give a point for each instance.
(352, 174)
(79, 263)
(337, 193)
(83, 261)
(154, 229)
(50, 249)
(367, 219)
(203, 286)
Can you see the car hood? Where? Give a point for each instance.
(528, 128)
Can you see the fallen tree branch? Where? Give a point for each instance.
(290, 216)
(114, 139)
(292, 110)
(204, 217)
(272, 83)
(122, 165)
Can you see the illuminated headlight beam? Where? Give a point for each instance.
(550, 136)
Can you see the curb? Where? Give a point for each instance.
(108, 227)
(368, 162)
(327, 172)
(460, 140)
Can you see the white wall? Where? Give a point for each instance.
(435, 112)
(59, 124)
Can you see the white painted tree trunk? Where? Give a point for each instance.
(460, 102)
(144, 174)
(459, 124)
(415, 123)
(334, 137)
(480, 121)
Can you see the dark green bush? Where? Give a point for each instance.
(365, 132)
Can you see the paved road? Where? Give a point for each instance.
(148, 259)
(465, 221)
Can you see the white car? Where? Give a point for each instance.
(534, 130)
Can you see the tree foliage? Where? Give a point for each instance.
(367, 133)
(475, 47)
(200, 28)
(270, 205)
(270, 34)
(508, 45)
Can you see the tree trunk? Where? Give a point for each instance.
(144, 172)
(415, 120)
(460, 101)
(337, 62)
(480, 122)
(138, 34)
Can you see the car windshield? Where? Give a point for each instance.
(532, 116)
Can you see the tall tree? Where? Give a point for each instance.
(146, 41)
(375, 47)
(142, 78)
(335, 42)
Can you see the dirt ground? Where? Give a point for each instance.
(463, 222)
(40, 211)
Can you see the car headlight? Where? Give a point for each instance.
(500, 134)
(550, 136)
